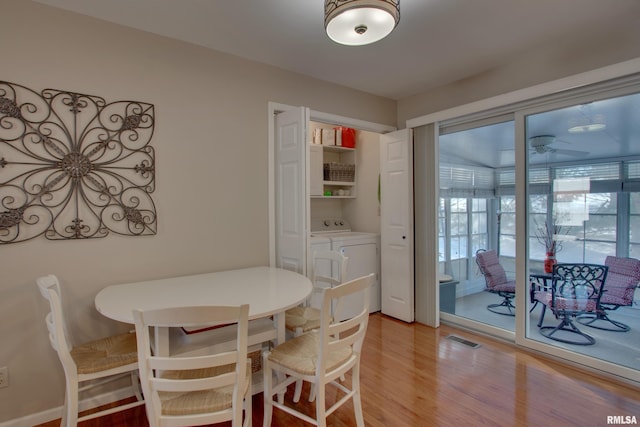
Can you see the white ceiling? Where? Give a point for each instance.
(436, 42)
(494, 145)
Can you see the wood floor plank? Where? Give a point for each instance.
(412, 375)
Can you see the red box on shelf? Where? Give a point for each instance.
(347, 136)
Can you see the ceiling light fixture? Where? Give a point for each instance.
(360, 22)
(588, 122)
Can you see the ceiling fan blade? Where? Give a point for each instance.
(576, 153)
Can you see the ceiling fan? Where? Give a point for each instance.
(542, 144)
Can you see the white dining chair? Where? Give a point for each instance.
(90, 364)
(306, 317)
(321, 357)
(192, 390)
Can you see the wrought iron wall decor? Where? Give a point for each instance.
(73, 166)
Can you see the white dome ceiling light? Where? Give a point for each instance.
(360, 22)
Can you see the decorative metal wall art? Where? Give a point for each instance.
(73, 166)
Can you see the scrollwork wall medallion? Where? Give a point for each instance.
(73, 166)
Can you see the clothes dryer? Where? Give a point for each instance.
(362, 249)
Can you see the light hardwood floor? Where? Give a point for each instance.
(413, 375)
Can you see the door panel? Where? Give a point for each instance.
(396, 219)
(291, 189)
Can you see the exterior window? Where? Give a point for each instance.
(478, 225)
(537, 220)
(459, 229)
(462, 230)
(634, 225)
(507, 226)
(442, 231)
(592, 241)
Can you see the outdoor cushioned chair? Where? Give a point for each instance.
(575, 291)
(90, 364)
(496, 281)
(321, 357)
(622, 280)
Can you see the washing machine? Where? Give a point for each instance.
(362, 249)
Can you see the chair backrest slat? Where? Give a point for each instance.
(195, 362)
(194, 384)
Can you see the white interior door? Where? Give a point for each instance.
(396, 223)
(291, 183)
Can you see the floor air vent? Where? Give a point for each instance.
(463, 341)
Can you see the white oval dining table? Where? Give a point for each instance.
(269, 291)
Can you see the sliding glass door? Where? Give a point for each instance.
(472, 218)
(582, 159)
(529, 186)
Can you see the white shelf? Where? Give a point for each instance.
(339, 183)
(335, 148)
(320, 155)
(333, 197)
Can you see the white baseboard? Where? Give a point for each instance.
(55, 413)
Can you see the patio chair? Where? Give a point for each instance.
(497, 282)
(622, 280)
(575, 291)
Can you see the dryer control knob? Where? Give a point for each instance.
(326, 223)
(341, 222)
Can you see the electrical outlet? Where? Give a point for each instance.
(4, 377)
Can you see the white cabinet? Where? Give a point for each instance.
(332, 168)
(332, 171)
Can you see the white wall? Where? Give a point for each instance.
(211, 160)
(544, 63)
(364, 212)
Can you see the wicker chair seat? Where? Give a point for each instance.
(306, 318)
(300, 354)
(203, 401)
(105, 353)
